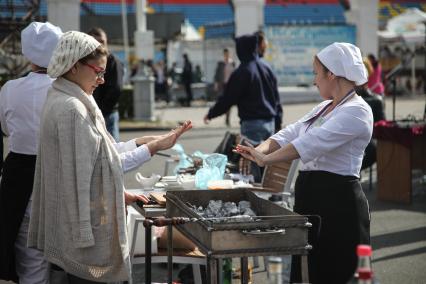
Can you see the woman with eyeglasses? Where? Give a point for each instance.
(330, 141)
(78, 216)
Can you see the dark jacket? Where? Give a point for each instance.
(187, 72)
(374, 101)
(252, 86)
(107, 94)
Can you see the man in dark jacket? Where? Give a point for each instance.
(107, 94)
(252, 87)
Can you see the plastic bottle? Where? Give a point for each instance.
(364, 272)
(227, 271)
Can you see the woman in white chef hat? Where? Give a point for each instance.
(330, 142)
(21, 101)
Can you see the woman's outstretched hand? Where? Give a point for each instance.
(169, 139)
(130, 197)
(249, 152)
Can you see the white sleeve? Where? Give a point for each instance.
(291, 132)
(134, 158)
(122, 147)
(344, 126)
(287, 134)
(2, 111)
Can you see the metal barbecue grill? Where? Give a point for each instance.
(275, 231)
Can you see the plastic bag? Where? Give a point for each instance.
(184, 160)
(213, 169)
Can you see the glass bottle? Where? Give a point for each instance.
(364, 272)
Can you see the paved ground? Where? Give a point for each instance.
(398, 231)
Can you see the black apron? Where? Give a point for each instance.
(15, 191)
(344, 223)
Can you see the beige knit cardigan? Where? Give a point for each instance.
(78, 209)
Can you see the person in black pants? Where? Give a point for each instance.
(108, 94)
(187, 79)
(375, 101)
(21, 103)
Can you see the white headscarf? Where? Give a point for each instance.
(38, 41)
(344, 60)
(71, 48)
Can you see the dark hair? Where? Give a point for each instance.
(225, 50)
(373, 60)
(96, 31)
(96, 54)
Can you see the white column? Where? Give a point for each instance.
(143, 87)
(364, 15)
(64, 13)
(144, 40)
(249, 16)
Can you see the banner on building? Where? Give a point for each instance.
(292, 49)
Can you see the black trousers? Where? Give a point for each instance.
(15, 191)
(344, 223)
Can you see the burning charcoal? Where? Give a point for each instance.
(229, 209)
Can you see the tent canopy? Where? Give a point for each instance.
(408, 26)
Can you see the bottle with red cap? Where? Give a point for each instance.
(363, 273)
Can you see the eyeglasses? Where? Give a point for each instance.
(100, 72)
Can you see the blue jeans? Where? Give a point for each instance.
(257, 131)
(112, 126)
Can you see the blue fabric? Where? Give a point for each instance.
(252, 86)
(257, 130)
(112, 126)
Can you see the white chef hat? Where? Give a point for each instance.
(38, 41)
(344, 60)
(72, 47)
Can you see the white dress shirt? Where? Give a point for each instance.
(21, 102)
(334, 142)
(132, 156)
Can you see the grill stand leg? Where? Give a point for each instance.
(219, 270)
(170, 254)
(211, 270)
(244, 270)
(304, 268)
(148, 254)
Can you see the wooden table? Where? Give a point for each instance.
(400, 149)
